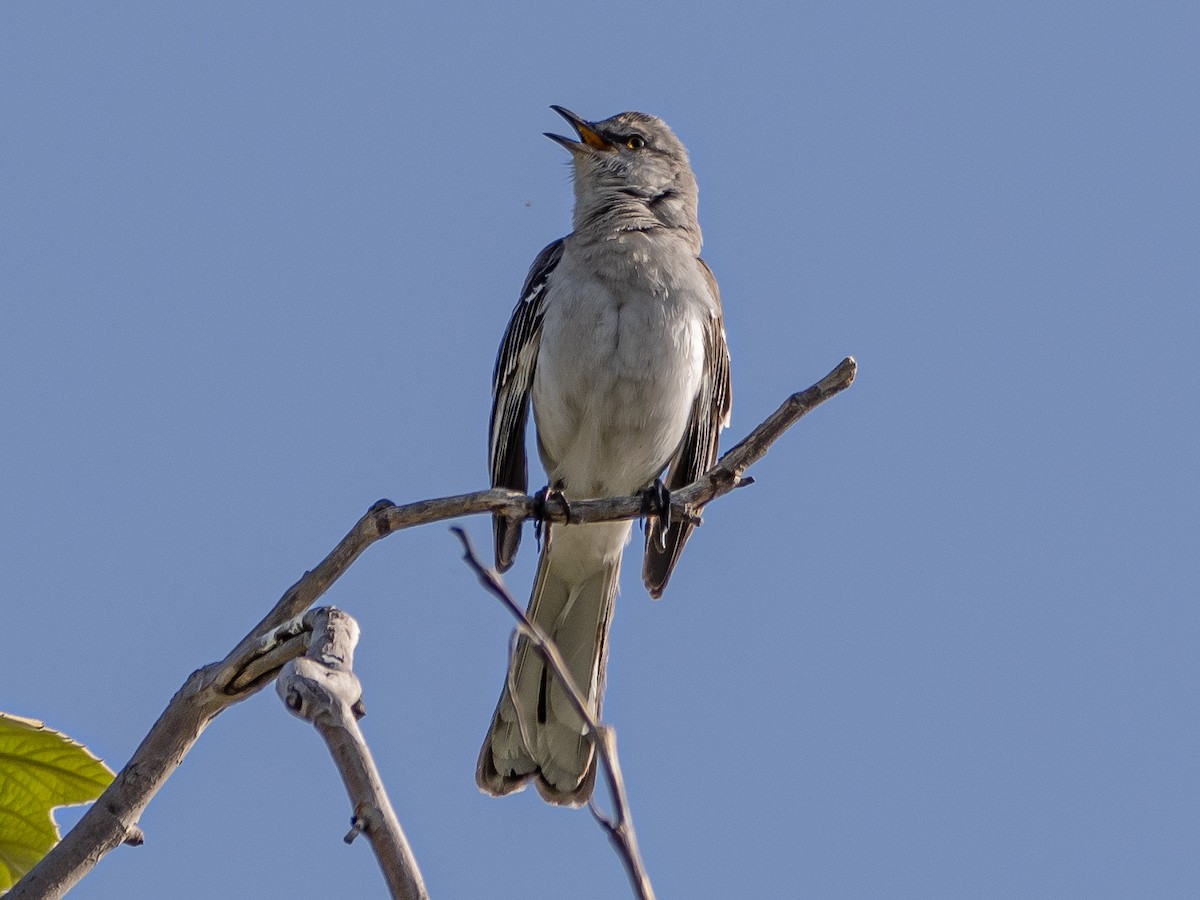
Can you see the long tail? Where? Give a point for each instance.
(535, 733)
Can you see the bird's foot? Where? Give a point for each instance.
(656, 503)
(543, 499)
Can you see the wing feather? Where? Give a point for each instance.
(698, 450)
(512, 380)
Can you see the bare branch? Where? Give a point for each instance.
(322, 688)
(113, 818)
(619, 829)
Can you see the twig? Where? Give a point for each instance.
(113, 818)
(619, 829)
(321, 688)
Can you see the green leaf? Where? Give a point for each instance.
(40, 769)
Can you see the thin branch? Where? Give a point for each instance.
(208, 691)
(322, 688)
(727, 473)
(619, 829)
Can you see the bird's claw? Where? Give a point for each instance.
(656, 502)
(541, 524)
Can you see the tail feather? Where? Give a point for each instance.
(536, 732)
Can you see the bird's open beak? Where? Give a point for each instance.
(588, 136)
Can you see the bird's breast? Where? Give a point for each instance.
(620, 363)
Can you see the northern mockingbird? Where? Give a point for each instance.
(618, 340)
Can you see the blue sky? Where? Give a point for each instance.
(256, 261)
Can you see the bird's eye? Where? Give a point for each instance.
(635, 142)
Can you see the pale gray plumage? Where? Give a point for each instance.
(618, 341)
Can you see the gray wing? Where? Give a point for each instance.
(698, 451)
(511, 384)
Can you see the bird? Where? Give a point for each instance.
(618, 344)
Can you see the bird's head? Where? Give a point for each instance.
(632, 169)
